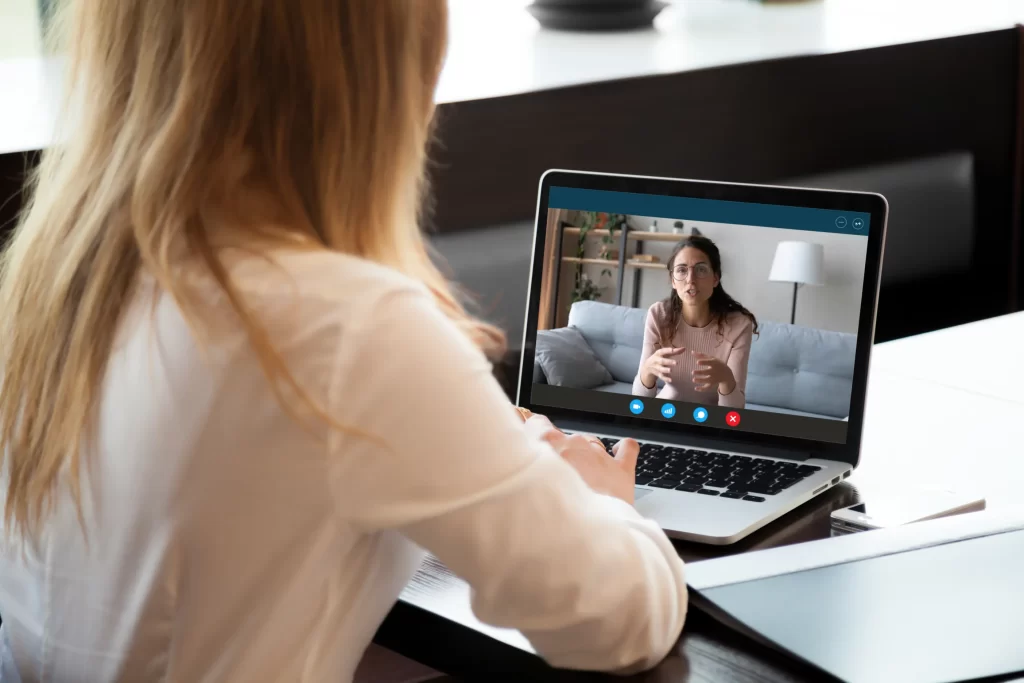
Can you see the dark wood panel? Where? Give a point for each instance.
(13, 173)
(760, 122)
(1016, 284)
(749, 123)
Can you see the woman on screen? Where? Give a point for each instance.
(697, 340)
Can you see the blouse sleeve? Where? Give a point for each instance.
(442, 458)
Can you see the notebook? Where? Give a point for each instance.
(941, 600)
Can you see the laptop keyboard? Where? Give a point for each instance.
(715, 474)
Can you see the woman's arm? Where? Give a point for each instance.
(589, 582)
(739, 358)
(651, 344)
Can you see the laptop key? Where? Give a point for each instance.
(665, 483)
(708, 492)
(755, 499)
(643, 479)
(733, 494)
(689, 488)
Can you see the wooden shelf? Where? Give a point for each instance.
(644, 264)
(610, 263)
(654, 236)
(632, 235)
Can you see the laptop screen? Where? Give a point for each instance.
(700, 312)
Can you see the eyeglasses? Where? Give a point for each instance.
(700, 271)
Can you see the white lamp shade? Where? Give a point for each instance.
(800, 262)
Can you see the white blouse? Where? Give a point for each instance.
(227, 542)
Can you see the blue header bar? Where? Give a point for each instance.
(711, 210)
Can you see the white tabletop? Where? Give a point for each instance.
(982, 358)
(497, 48)
(920, 432)
(944, 410)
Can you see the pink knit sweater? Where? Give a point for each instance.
(732, 347)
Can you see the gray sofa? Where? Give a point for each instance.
(793, 369)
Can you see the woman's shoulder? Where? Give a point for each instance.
(738, 325)
(658, 310)
(321, 275)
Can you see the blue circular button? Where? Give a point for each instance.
(636, 406)
(668, 411)
(700, 414)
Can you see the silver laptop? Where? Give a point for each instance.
(725, 327)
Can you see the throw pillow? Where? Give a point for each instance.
(568, 361)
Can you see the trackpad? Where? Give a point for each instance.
(639, 493)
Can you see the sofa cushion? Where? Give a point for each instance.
(617, 388)
(792, 369)
(568, 361)
(803, 369)
(615, 333)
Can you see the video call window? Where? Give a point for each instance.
(717, 318)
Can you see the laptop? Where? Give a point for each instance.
(775, 288)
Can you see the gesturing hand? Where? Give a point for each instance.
(659, 364)
(711, 372)
(614, 476)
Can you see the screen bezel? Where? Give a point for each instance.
(873, 204)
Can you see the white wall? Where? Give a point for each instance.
(747, 254)
(20, 32)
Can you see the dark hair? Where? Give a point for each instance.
(720, 302)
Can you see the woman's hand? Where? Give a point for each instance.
(659, 365)
(711, 372)
(614, 476)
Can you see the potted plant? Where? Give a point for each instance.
(585, 289)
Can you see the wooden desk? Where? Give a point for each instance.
(939, 413)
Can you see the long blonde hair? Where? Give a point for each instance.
(287, 121)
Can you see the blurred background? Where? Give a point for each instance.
(916, 99)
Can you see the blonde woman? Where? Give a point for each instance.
(237, 398)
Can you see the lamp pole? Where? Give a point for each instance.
(792, 313)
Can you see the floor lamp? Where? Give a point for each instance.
(802, 263)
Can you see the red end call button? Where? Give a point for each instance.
(732, 419)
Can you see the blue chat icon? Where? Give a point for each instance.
(700, 414)
(636, 406)
(668, 411)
